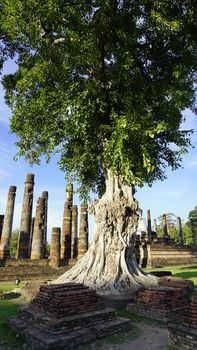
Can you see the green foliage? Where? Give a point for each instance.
(14, 242)
(101, 83)
(187, 234)
(193, 214)
(48, 248)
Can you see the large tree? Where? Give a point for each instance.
(102, 82)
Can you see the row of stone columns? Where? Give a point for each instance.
(151, 234)
(71, 246)
(33, 231)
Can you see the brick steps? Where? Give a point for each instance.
(47, 341)
(65, 316)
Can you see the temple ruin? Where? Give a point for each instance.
(67, 245)
(159, 251)
(71, 242)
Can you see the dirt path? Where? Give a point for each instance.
(150, 337)
(143, 336)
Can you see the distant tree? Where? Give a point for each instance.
(103, 83)
(192, 223)
(187, 235)
(48, 248)
(193, 214)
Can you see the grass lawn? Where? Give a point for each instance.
(189, 273)
(7, 287)
(8, 337)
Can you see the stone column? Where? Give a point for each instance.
(7, 225)
(26, 216)
(46, 196)
(37, 247)
(67, 225)
(180, 231)
(1, 225)
(74, 237)
(31, 235)
(149, 229)
(55, 247)
(155, 225)
(83, 231)
(165, 227)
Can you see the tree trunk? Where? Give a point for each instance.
(110, 266)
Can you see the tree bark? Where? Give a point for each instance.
(110, 266)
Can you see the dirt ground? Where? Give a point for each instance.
(146, 337)
(149, 337)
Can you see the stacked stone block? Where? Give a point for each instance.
(165, 227)
(159, 302)
(55, 247)
(74, 236)
(45, 195)
(67, 225)
(38, 234)
(182, 328)
(7, 224)
(26, 217)
(65, 316)
(83, 231)
(149, 229)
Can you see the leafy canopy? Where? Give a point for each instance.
(102, 82)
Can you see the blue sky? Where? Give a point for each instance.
(177, 194)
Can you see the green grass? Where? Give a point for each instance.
(189, 273)
(10, 286)
(7, 335)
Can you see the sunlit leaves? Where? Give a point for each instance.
(101, 82)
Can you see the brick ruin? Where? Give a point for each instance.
(182, 328)
(159, 303)
(64, 316)
(66, 244)
(154, 251)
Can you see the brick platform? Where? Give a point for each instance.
(160, 302)
(64, 316)
(182, 328)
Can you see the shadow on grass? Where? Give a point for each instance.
(186, 274)
(7, 335)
